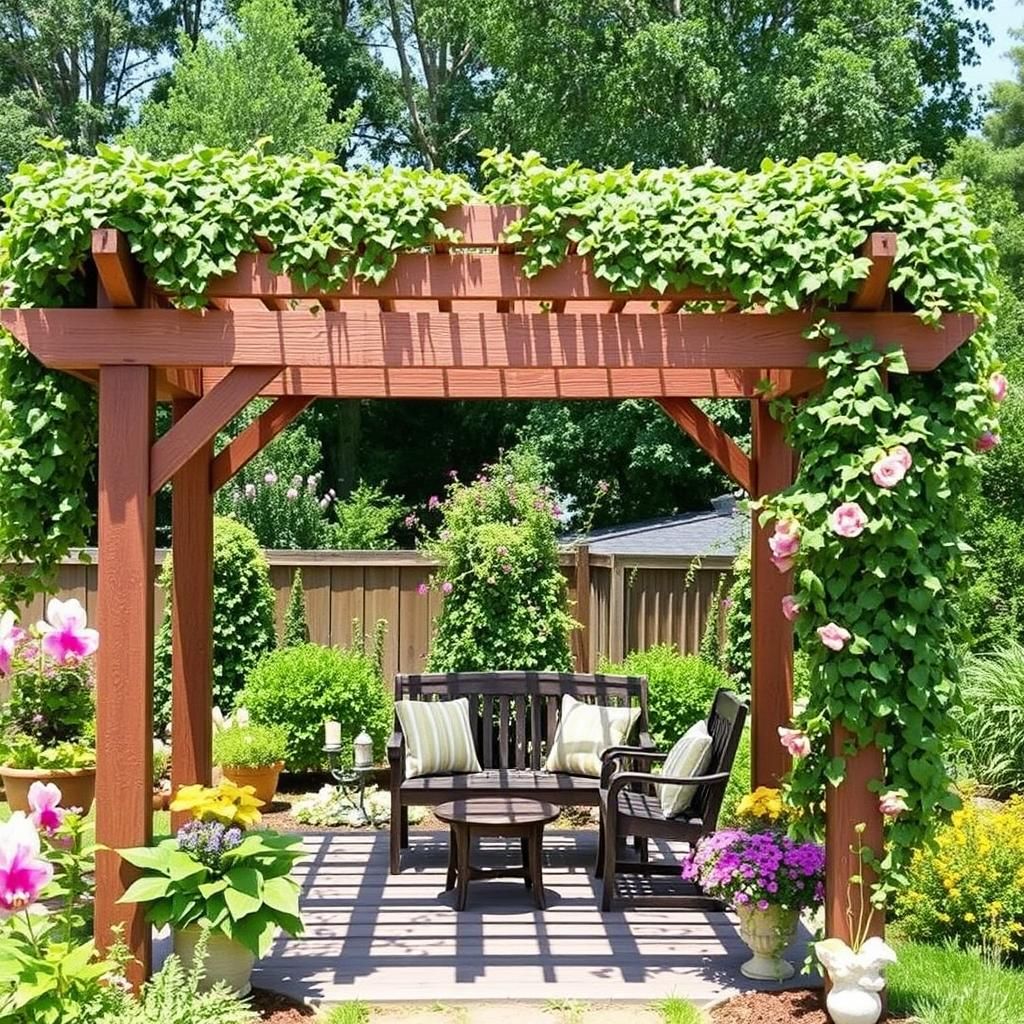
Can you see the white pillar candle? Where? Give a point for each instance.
(332, 734)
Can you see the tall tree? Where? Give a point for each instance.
(249, 83)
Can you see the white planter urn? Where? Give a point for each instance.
(767, 933)
(857, 979)
(226, 960)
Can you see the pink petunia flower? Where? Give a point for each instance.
(998, 385)
(790, 608)
(987, 441)
(64, 633)
(834, 637)
(795, 741)
(47, 814)
(10, 634)
(887, 472)
(849, 520)
(23, 872)
(892, 804)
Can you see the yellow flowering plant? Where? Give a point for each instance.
(225, 803)
(969, 888)
(764, 808)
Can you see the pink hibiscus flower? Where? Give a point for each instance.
(796, 742)
(998, 385)
(23, 872)
(849, 520)
(834, 637)
(789, 607)
(65, 636)
(892, 804)
(10, 634)
(47, 814)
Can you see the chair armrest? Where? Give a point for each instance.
(611, 757)
(396, 745)
(623, 779)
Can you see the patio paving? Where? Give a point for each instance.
(382, 938)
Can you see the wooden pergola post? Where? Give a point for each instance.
(771, 639)
(124, 667)
(192, 617)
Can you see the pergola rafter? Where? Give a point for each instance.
(459, 321)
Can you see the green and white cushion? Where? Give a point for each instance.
(689, 757)
(584, 732)
(438, 737)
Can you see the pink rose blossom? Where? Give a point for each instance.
(790, 608)
(783, 564)
(422, 589)
(902, 453)
(987, 441)
(785, 542)
(795, 741)
(44, 799)
(834, 637)
(23, 872)
(9, 636)
(887, 472)
(892, 804)
(849, 520)
(998, 386)
(446, 587)
(65, 636)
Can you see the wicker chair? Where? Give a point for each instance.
(630, 806)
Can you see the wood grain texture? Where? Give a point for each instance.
(192, 618)
(771, 634)
(711, 439)
(581, 613)
(119, 274)
(124, 669)
(254, 438)
(199, 426)
(872, 292)
(85, 338)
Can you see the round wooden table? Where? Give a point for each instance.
(508, 817)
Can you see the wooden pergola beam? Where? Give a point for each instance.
(119, 274)
(200, 424)
(254, 438)
(871, 293)
(86, 338)
(712, 439)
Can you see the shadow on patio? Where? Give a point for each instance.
(380, 938)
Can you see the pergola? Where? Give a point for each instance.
(460, 321)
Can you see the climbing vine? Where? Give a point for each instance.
(871, 527)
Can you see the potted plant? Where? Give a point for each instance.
(217, 874)
(252, 755)
(48, 722)
(768, 879)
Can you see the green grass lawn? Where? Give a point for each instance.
(946, 986)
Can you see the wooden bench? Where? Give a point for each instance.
(513, 716)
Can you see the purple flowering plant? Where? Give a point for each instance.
(758, 868)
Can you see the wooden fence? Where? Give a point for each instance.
(628, 602)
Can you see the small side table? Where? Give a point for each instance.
(508, 817)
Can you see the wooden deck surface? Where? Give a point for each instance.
(384, 938)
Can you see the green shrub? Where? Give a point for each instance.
(992, 719)
(739, 783)
(296, 628)
(969, 888)
(302, 687)
(366, 519)
(736, 659)
(680, 688)
(243, 617)
(250, 746)
(506, 596)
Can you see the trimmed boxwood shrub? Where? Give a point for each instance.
(301, 687)
(243, 617)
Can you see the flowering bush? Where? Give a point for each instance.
(283, 513)
(505, 597)
(758, 868)
(764, 809)
(969, 887)
(49, 715)
(217, 874)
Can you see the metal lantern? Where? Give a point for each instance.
(363, 750)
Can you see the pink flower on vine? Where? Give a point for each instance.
(834, 637)
(998, 385)
(447, 587)
(10, 634)
(795, 741)
(902, 453)
(47, 814)
(790, 608)
(987, 441)
(888, 471)
(785, 541)
(849, 520)
(64, 633)
(892, 804)
(782, 564)
(422, 589)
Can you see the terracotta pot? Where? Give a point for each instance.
(161, 800)
(226, 960)
(77, 786)
(263, 780)
(767, 933)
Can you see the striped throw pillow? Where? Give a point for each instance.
(437, 737)
(584, 732)
(689, 757)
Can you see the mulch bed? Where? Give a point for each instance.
(795, 1006)
(279, 1009)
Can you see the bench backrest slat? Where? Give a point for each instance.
(725, 724)
(514, 715)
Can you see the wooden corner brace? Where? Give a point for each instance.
(715, 442)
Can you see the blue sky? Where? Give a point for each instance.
(994, 64)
